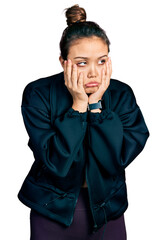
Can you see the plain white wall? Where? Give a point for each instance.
(30, 35)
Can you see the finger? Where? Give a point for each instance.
(110, 71)
(65, 66)
(103, 76)
(80, 80)
(107, 69)
(74, 76)
(106, 75)
(68, 74)
(110, 66)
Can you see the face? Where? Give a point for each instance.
(90, 55)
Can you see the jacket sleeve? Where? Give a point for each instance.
(117, 137)
(55, 144)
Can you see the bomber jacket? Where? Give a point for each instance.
(69, 145)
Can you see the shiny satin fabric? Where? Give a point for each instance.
(68, 145)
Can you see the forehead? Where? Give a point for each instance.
(88, 47)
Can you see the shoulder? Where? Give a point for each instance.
(38, 91)
(117, 85)
(122, 96)
(42, 83)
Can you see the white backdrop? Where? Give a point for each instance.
(29, 49)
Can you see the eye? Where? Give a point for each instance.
(80, 64)
(102, 61)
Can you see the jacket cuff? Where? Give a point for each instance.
(71, 113)
(99, 117)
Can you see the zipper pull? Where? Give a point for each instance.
(94, 228)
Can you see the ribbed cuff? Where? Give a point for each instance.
(71, 113)
(99, 117)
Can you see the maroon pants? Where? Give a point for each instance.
(43, 228)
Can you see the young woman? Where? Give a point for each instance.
(84, 129)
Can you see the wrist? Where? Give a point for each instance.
(94, 101)
(95, 106)
(80, 107)
(95, 110)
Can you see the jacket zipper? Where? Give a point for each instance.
(95, 225)
(80, 186)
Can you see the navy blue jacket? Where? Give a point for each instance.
(69, 145)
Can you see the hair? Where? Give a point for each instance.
(79, 28)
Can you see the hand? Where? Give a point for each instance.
(95, 97)
(74, 85)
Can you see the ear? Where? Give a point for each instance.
(61, 61)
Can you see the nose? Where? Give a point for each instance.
(92, 73)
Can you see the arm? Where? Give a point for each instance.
(56, 145)
(116, 138)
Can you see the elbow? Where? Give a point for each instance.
(147, 135)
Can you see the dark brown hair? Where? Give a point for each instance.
(79, 28)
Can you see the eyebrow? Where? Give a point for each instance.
(88, 58)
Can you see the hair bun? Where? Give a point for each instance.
(75, 14)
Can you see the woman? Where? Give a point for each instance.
(84, 129)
